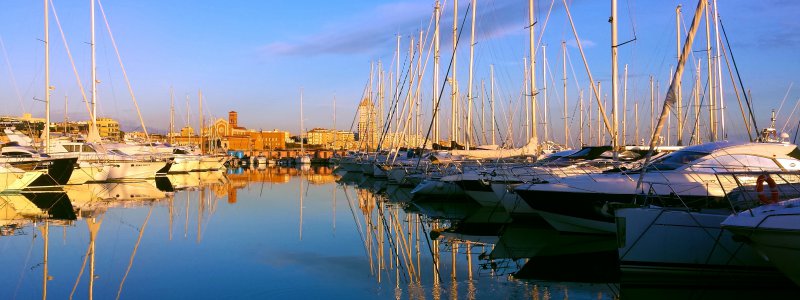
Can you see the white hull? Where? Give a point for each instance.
(185, 164)
(90, 172)
(565, 223)
(774, 230)
(135, 170)
(210, 163)
(436, 188)
(484, 198)
(512, 203)
(677, 238)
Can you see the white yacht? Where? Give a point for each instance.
(774, 231)
(712, 175)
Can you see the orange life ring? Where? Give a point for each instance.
(773, 189)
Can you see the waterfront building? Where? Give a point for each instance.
(108, 128)
(227, 134)
(367, 125)
(331, 138)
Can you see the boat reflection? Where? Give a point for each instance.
(449, 247)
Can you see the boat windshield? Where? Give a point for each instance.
(675, 160)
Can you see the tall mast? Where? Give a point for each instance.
(94, 135)
(333, 144)
(636, 121)
(600, 137)
(201, 124)
(580, 124)
(46, 137)
(697, 135)
(564, 71)
(491, 101)
(544, 90)
(712, 107)
(614, 81)
(65, 114)
(721, 101)
(396, 95)
(527, 103)
(438, 14)
(468, 129)
(624, 106)
(302, 151)
(532, 67)
(679, 98)
(171, 114)
(652, 105)
(454, 86)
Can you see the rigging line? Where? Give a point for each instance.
(783, 129)
(444, 83)
(390, 238)
(430, 248)
(702, 100)
(395, 101)
(738, 75)
(124, 73)
(71, 60)
(11, 75)
(784, 99)
(135, 248)
(355, 219)
(736, 91)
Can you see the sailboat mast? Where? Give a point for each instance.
(564, 71)
(396, 95)
(636, 121)
(625, 107)
(438, 14)
(46, 137)
(580, 124)
(719, 74)
(468, 129)
(453, 84)
(652, 105)
(532, 67)
(614, 81)
(712, 107)
(302, 150)
(544, 90)
(201, 123)
(93, 133)
(491, 102)
(65, 114)
(678, 89)
(171, 114)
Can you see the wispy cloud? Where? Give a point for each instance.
(373, 29)
(584, 43)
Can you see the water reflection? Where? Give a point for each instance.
(307, 233)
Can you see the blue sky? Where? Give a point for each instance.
(254, 56)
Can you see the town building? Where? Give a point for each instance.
(367, 124)
(228, 135)
(331, 138)
(108, 128)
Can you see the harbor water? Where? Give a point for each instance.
(309, 234)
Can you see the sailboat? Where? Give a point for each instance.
(303, 159)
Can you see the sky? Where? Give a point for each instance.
(255, 57)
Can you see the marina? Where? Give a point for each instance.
(624, 151)
(310, 232)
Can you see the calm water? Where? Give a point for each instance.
(288, 233)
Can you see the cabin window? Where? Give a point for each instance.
(17, 154)
(675, 160)
(87, 148)
(736, 163)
